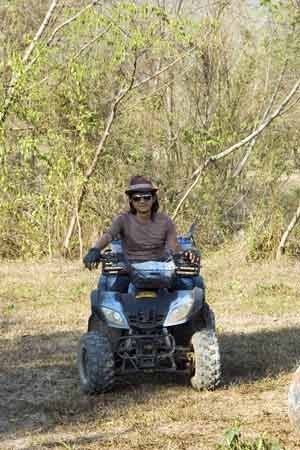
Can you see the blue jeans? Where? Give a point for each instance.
(120, 283)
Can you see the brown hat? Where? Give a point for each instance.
(140, 184)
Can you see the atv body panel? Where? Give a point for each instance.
(145, 308)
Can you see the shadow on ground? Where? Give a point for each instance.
(40, 389)
(258, 355)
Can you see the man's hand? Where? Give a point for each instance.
(92, 258)
(192, 256)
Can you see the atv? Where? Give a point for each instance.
(150, 328)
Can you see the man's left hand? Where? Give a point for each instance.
(192, 256)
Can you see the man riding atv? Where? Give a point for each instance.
(146, 234)
(149, 312)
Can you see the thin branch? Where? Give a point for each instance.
(72, 59)
(237, 202)
(40, 31)
(178, 7)
(199, 172)
(155, 75)
(285, 236)
(79, 235)
(245, 158)
(276, 91)
(187, 193)
(90, 43)
(118, 98)
(164, 69)
(89, 172)
(16, 75)
(291, 106)
(70, 20)
(126, 33)
(256, 132)
(252, 143)
(57, 14)
(157, 90)
(62, 25)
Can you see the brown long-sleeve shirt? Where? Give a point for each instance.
(143, 241)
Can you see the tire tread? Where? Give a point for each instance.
(207, 360)
(100, 364)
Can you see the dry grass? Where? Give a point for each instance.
(44, 310)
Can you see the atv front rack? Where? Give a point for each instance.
(145, 352)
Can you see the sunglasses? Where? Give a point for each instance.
(139, 197)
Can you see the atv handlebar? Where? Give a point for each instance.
(179, 258)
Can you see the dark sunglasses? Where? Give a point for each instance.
(139, 197)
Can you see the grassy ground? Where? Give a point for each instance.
(44, 310)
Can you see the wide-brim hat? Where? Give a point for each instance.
(140, 184)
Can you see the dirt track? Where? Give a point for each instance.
(44, 309)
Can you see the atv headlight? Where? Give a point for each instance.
(114, 317)
(179, 311)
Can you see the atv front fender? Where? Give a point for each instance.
(110, 300)
(198, 294)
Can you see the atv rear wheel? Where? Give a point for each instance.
(95, 363)
(206, 360)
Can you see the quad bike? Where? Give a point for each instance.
(150, 328)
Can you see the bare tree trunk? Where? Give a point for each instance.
(285, 236)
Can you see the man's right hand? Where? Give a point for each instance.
(92, 258)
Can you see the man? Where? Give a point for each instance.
(146, 234)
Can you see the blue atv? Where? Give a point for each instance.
(161, 323)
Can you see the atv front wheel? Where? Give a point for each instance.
(95, 363)
(206, 360)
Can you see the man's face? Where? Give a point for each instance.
(142, 201)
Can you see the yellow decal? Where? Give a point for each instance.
(146, 294)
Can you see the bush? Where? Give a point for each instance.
(233, 441)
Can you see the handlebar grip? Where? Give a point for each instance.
(178, 255)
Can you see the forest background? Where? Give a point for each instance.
(201, 96)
